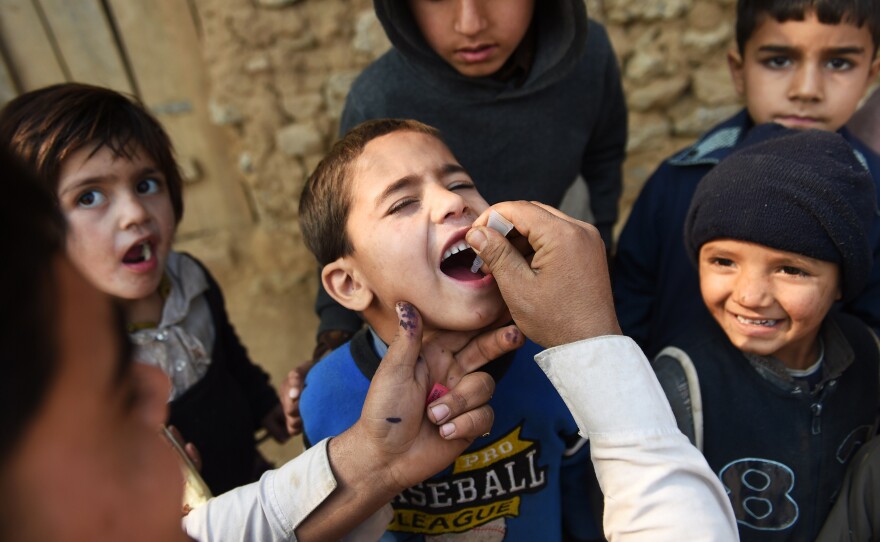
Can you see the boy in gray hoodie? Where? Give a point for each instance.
(526, 94)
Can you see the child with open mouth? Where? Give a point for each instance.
(111, 167)
(386, 213)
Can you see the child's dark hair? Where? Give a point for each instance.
(750, 13)
(326, 197)
(45, 126)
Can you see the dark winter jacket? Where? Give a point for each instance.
(656, 287)
(780, 446)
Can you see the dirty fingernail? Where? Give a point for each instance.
(440, 412)
(512, 335)
(476, 239)
(447, 429)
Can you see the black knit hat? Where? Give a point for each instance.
(798, 191)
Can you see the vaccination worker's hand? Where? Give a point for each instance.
(399, 439)
(452, 354)
(556, 284)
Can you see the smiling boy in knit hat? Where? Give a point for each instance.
(778, 390)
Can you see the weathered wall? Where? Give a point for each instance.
(673, 60)
(279, 72)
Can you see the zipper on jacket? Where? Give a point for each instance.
(816, 409)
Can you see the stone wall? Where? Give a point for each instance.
(675, 75)
(279, 73)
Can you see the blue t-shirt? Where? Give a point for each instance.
(519, 481)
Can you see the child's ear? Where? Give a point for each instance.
(875, 68)
(344, 284)
(735, 63)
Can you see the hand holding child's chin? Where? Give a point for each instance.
(400, 439)
(452, 354)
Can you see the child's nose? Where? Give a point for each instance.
(469, 19)
(807, 83)
(752, 290)
(132, 211)
(449, 205)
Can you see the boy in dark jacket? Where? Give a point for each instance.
(802, 64)
(778, 390)
(865, 124)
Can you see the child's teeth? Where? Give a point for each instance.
(455, 249)
(750, 321)
(147, 252)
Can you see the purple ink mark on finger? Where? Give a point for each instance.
(408, 325)
(392, 420)
(408, 316)
(512, 335)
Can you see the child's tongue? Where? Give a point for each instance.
(458, 266)
(135, 254)
(463, 273)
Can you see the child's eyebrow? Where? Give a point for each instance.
(399, 185)
(449, 169)
(834, 51)
(777, 49)
(794, 260)
(405, 182)
(841, 51)
(149, 170)
(79, 183)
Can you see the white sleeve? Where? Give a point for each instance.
(657, 486)
(272, 508)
